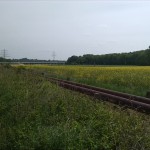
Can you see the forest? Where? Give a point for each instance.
(139, 58)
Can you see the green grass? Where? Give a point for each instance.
(35, 114)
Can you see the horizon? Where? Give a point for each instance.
(47, 29)
(73, 55)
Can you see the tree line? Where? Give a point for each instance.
(141, 58)
(24, 60)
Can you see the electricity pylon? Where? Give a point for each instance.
(4, 53)
(53, 55)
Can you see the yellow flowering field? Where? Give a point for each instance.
(129, 79)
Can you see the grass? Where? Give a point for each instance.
(35, 114)
(128, 79)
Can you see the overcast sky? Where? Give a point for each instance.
(34, 29)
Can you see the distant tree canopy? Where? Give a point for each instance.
(4, 60)
(23, 60)
(133, 58)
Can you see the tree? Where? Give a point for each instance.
(133, 58)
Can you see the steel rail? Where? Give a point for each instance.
(124, 95)
(142, 106)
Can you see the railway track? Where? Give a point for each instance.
(137, 103)
(141, 104)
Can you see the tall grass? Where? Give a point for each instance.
(35, 114)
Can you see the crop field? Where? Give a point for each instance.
(133, 80)
(36, 114)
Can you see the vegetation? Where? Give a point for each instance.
(141, 58)
(35, 114)
(29, 60)
(4, 60)
(134, 80)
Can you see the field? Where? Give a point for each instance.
(134, 80)
(35, 114)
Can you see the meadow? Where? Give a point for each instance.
(35, 114)
(128, 79)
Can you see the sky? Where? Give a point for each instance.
(37, 29)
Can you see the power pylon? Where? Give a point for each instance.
(53, 55)
(4, 53)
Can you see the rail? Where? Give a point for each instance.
(137, 103)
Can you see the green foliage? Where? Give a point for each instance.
(2, 59)
(135, 58)
(35, 114)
